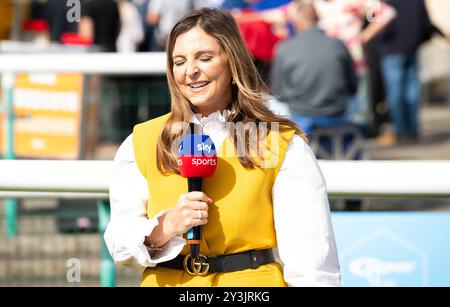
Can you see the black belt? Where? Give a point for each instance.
(225, 263)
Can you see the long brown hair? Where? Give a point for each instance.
(248, 104)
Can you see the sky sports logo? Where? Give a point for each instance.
(249, 139)
(197, 145)
(197, 150)
(203, 148)
(200, 161)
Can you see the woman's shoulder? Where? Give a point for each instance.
(286, 132)
(145, 134)
(300, 156)
(300, 152)
(299, 143)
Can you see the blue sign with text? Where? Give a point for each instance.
(393, 248)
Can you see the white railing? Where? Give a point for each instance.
(54, 178)
(149, 63)
(90, 179)
(408, 179)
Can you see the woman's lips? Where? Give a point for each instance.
(197, 86)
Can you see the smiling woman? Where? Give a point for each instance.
(247, 208)
(202, 71)
(210, 69)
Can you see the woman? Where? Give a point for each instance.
(253, 203)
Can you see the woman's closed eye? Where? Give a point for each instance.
(178, 63)
(206, 58)
(202, 59)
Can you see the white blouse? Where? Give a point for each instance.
(305, 237)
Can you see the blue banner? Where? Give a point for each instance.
(393, 248)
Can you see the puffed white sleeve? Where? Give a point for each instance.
(305, 237)
(129, 225)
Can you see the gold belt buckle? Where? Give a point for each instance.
(194, 266)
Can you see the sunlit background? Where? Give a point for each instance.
(85, 115)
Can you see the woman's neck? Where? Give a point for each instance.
(207, 112)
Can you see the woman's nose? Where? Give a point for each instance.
(192, 69)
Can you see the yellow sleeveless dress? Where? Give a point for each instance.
(240, 219)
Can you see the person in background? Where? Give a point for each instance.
(232, 5)
(100, 22)
(56, 16)
(399, 43)
(313, 73)
(148, 41)
(254, 203)
(275, 13)
(344, 19)
(198, 4)
(376, 94)
(262, 23)
(162, 15)
(131, 30)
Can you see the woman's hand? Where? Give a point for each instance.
(191, 210)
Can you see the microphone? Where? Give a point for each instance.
(196, 160)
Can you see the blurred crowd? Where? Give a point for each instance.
(325, 61)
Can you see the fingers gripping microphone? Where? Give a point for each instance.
(196, 160)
